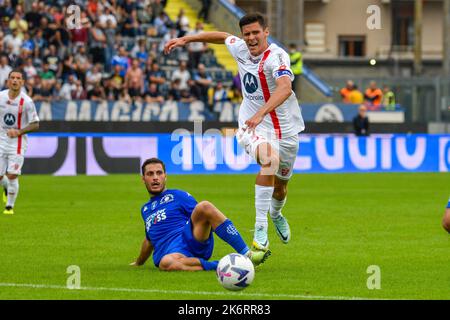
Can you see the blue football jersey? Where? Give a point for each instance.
(165, 216)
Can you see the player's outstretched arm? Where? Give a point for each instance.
(146, 251)
(281, 93)
(217, 37)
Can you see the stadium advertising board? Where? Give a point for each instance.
(100, 154)
(195, 111)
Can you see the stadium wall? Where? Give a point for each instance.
(184, 153)
(168, 127)
(171, 111)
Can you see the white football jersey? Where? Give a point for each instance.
(258, 76)
(15, 114)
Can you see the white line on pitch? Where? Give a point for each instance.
(203, 293)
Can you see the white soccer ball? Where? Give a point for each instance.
(235, 272)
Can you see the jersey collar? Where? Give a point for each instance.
(14, 101)
(159, 195)
(259, 57)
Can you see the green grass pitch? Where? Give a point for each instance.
(341, 224)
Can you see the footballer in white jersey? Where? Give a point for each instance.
(269, 117)
(258, 76)
(18, 116)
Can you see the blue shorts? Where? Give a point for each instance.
(186, 244)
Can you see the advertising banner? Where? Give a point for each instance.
(185, 153)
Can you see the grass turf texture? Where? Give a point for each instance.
(341, 224)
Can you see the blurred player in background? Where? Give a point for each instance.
(446, 219)
(18, 116)
(269, 116)
(179, 231)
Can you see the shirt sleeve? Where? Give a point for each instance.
(187, 202)
(233, 43)
(146, 234)
(280, 66)
(145, 223)
(30, 111)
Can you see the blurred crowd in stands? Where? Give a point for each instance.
(373, 97)
(114, 53)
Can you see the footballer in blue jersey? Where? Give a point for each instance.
(446, 219)
(179, 230)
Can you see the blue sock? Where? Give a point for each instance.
(208, 265)
(228, 233)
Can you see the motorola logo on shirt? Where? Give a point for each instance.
(250, 83)
(9, 119)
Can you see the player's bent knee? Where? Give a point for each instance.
(270, 165)
(205, 207)
(168, 263)
(272, 161)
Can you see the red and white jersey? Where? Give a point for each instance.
(258, 78)
(15, 114)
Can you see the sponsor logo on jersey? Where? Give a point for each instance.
(145, 208)
(253, 98)
(233, 40)
(9, 119)
(156, 217)
(167, 198)
(250, 83)
(154, 203)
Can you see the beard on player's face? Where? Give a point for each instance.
(156, 185)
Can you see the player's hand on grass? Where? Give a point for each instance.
(174, 43)
(13, 133)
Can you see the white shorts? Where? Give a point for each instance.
(287, 150)
(11, 163)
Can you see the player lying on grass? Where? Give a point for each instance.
(446, 219)
(179, 231)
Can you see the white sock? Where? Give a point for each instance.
(275, 207)
(5, 182)
(263, 196)
(13, 190)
